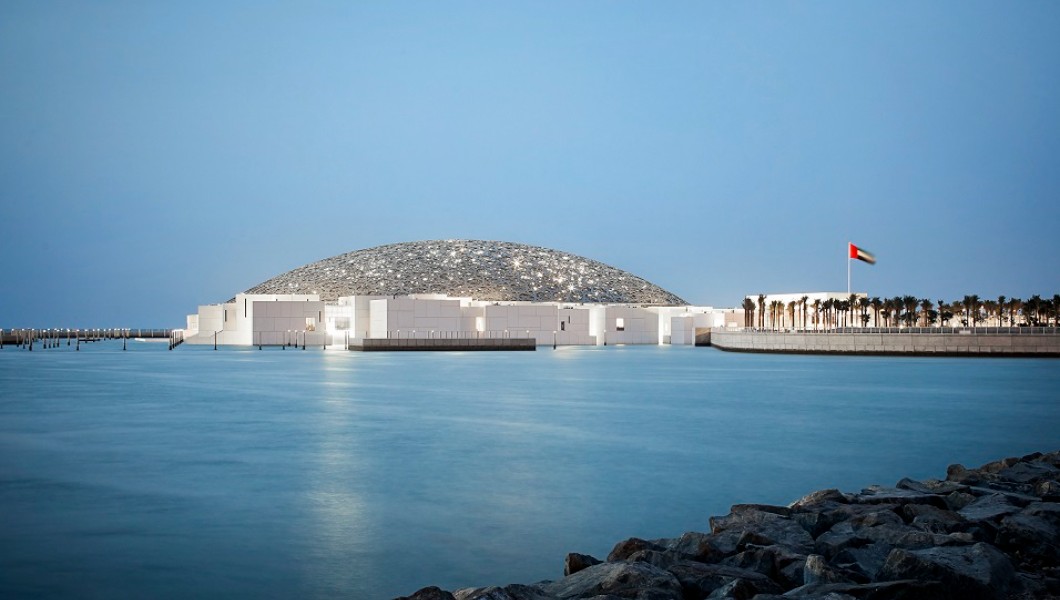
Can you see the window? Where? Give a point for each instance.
(310, 324)
(563, 326)
(620, 324)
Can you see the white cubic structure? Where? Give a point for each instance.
(452, 289)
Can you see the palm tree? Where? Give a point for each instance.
(976, 305)
(1056, 310)
(1014, 306)
(1000, 310)
(925, 306)
(748, 312)
(829, 304)
(909, 303)
(945, 312)
(803, 302)
(877, 304)
(791, 312)
(888, 311)
(864, 303)
(762, 311)
(816, 313)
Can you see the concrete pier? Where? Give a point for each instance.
(443, 345)
(1040, 342)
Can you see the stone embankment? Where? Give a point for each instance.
(970, 342)
(983, 533)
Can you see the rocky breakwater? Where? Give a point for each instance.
(983, 533)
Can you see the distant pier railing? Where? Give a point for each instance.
(47, 338)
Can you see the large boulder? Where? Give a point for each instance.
(977, 572)
(989, 508)
(704, 547)
(883, 495)
(764, 529)
(1032, 540)
(699, 580)
(634, 580)
(576, 562)
(624, 549)
(429, 593)
(508, 592)
(889, 590)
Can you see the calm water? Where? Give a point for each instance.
(287, 473)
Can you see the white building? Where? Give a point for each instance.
(455, 289)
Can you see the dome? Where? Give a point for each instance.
(482, 270)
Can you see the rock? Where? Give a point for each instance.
(429, 593)
(958, 474)
(1019, 498)
(997, 466)
(932, 519)
(816, 571)
(783, 511)
(864, 561)
(1048, 490)
(958, 500)
(699, 580)
(765, 529)
(737, 589)
(625, 548)
(1031, 539)
(877, 495)
(622, 579)
(1029, 472)
(662, 560)
(819, 497)
(576, 562)
(890, 590)
(968, 572)
(704, 547)
(508, 592)
(929, 486)
(988, 508)
(1050, 511)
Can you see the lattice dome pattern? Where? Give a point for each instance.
(482, 270)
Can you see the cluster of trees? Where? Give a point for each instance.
(907, 311)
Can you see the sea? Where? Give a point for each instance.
(195, 473)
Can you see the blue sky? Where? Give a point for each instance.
(157, 156)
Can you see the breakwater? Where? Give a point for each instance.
(984, 533)
(1014, 342)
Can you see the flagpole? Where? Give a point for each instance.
(848, 270)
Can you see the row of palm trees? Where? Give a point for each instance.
(900, 311)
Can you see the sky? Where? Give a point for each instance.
(155, 156)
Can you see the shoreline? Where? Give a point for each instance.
(985, 533)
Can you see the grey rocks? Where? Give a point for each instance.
(980, 534)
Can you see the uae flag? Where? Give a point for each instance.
(861, 254)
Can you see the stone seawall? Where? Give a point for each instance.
(921, 344)
(980, 534)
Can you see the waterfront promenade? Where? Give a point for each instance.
(914, 341)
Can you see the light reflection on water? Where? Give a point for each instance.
(310, 474)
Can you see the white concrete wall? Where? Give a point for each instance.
(640, 326)
(682, 331)
(414, 318)
(278, 322)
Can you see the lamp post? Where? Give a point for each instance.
(553, 340)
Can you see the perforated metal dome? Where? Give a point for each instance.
(483, 270)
